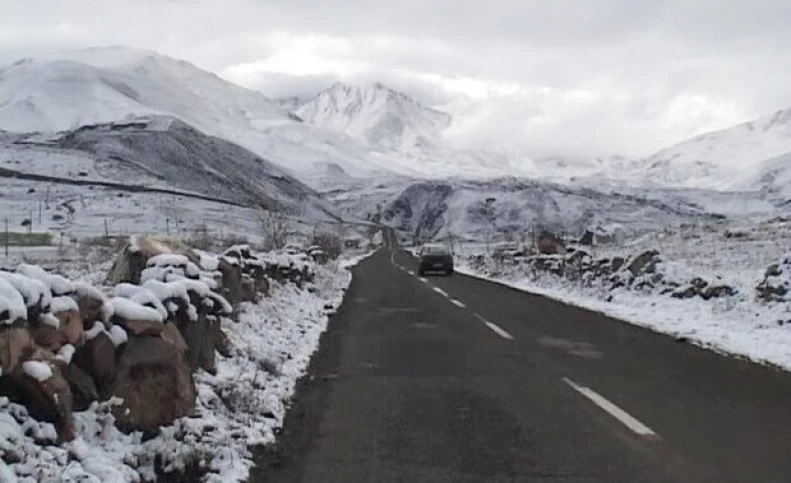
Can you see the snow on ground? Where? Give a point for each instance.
(239, 407)
(736, 255)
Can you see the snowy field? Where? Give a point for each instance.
(239, 407)
(736, 255)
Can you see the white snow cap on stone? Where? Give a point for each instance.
(208, 261)
(118, 335)
(63, 304)
(40, 371)
(94, 331)
(130, 310)
(12, 302)
(33, 291)
(174, 260)
(141, 295)
(57, 283)
(65, 353)
(48, 319)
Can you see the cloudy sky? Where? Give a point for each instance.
(585, 77)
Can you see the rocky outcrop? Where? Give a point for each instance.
(776, 283)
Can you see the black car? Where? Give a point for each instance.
(435, 258)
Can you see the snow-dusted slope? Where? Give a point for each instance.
(720, 159)
(377, 115)
(109, 84)
(510, 207)
(165, 153)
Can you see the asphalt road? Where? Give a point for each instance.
(454, 379)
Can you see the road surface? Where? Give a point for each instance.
(462, 380)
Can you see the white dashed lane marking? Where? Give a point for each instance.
(495, 328)
(440, 291)
(422, 279)
(625, 418)
(411, 272)
(458, 303)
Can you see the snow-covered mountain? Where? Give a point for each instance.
(110, 84)
(380, 117)
(720, 159)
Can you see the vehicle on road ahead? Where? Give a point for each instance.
(435, 258)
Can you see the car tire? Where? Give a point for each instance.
(449, 272)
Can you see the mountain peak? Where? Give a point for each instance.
(376, 114)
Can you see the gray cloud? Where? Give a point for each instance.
(582, 76)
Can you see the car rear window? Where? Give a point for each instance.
(435, 250)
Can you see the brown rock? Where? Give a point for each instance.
(171, 334)
(141, 327)
(200, 337)
(155, 383)
(231, 281)
(71, 327)
(48, 337)
(221, 342)
(248, 289)
(128, 266)
(550, 244)
(97, 358)
(90, 308)
(14, 341)
(49, 400)
(643, 262)
(83, 388)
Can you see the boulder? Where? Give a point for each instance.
(171, 334)
(91, 306)
(97, 358)
(200, 337)
(616, 264)
(643, 263)
(155, 384)
(47, 336)
(231, 281)
(82, 387)
(71, 327)
(14, 342)
(550, 244)
(717, 291)
(129, 265)
(49, 399)
(248, 289)
(587, 238)
(140, 328)
(221, 342)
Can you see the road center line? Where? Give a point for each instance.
(441, 292)
(614, 411)
(410, 272)
(458, 303)
(495, 328)
(423, 279)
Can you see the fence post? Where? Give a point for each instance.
(6, 237)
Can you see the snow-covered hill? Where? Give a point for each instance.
(380, 117)
(720, 159)
(109, 84)
(164, 153)
(509, 207)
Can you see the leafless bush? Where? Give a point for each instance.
(275, 226)
(330, 243)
